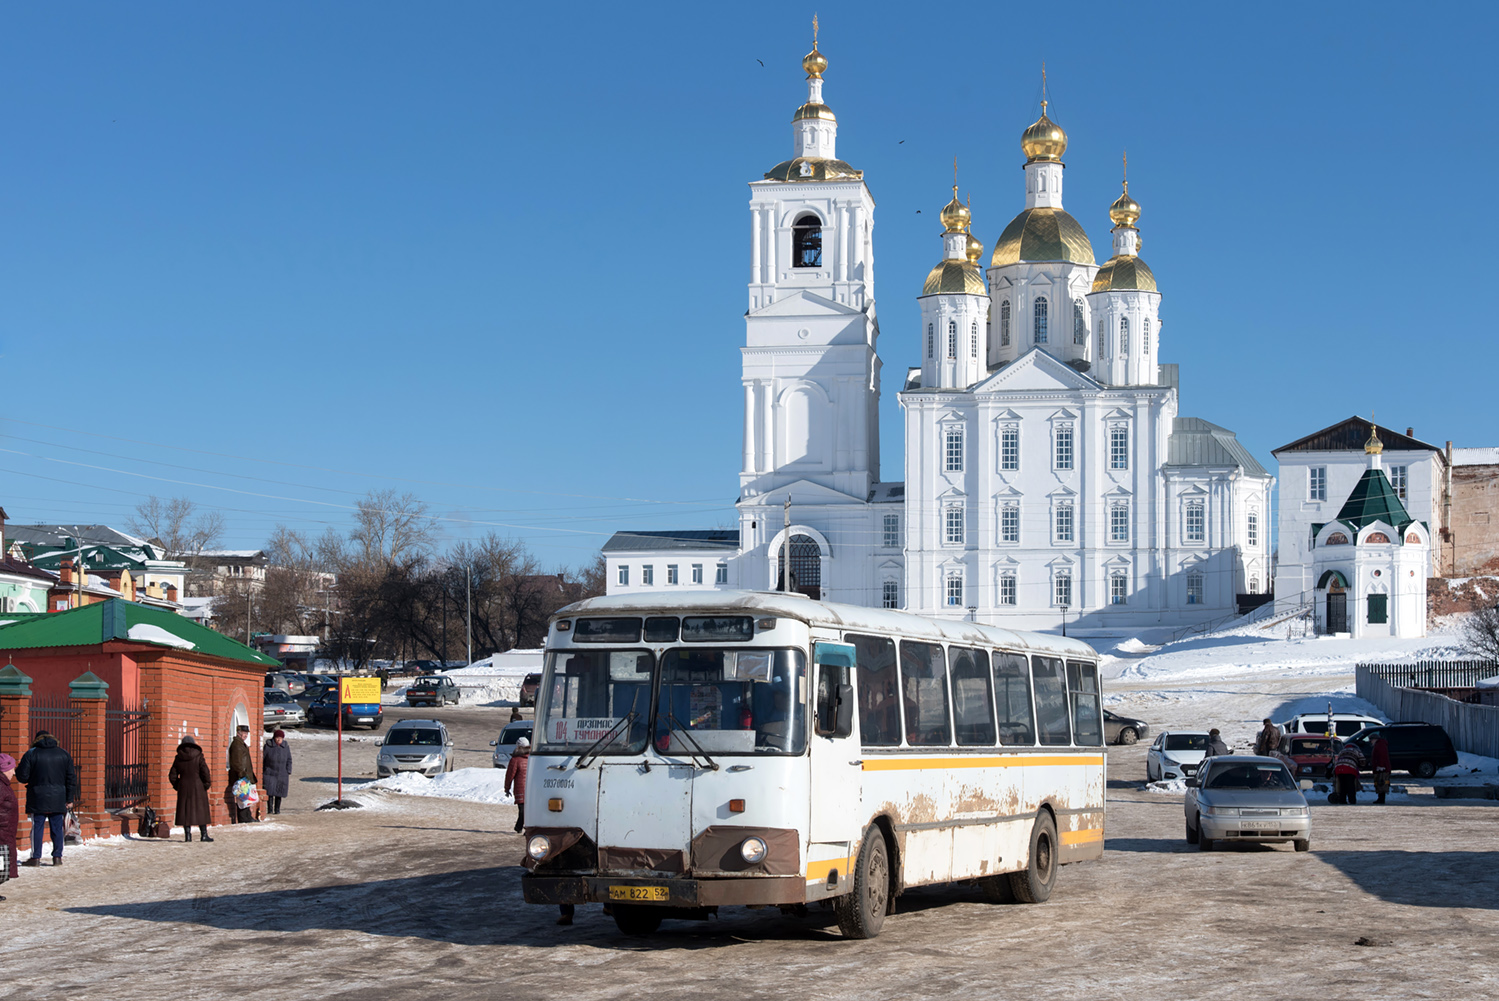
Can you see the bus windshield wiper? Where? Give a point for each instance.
(609, 733)
(672, 720)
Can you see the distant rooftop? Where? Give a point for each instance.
(1475, 456)
(1196, 442)
(705, 538)
(1350, 436)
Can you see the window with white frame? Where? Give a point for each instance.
(1145, 337)
(1194, 588)
(1196, 529)
(952, 339)
(1063, 451)
(973, 340)
(1009, 448)
(1254, 585)
(1004, 324)
(952, 519)
(954, 591)
(1061, 589)
(1009, 522)
(930, 340)
(671, 574)
(648, 574)
(624, 575)
(1316, 484)
(697, 573)
(1254, 529)
(1007, 588)
(952, 450)
(1124, 335)
(890, 594)
(721, 574)
(1119, 447)
(1040, 316)
(1399, 477)
(1119, 521)
(892, 531)
(1064, 528)
(1118, 589)
(1079, 323)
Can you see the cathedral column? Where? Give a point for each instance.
(757, 271)
(749, 429)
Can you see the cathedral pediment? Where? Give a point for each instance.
(1036, 371)
(805, 492)
(806, 304)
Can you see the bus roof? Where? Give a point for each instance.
(831, 614)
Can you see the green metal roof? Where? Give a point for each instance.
(118, 619)
(1373, 499)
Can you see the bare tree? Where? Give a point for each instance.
(1481, 632)
(177, 524)
(392, 528)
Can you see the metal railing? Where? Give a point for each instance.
(1434, 673)
(1474, 729)
(126, 771)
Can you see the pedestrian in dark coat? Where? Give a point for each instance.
(515, 779)
(10, 813)
(275, 770)
(1215, 744)
(1267, 742)
(240, 767)
(1379, 760)
(189, 775)
(51, 789)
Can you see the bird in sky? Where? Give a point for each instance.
(901, 143)
(760, 61)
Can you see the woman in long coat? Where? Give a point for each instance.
(189, 776)
(10, 812)
(275, 770)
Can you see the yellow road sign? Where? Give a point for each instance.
(358, 690)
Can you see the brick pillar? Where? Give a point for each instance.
(15, 736)
(87, 694)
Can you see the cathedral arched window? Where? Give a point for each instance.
(1079, 325)
(1124, 335)
(973, 340)
(1145, 338)
(1040, 313)
(1004, 324)
(952, 338)
(930, 340)
(806, 242)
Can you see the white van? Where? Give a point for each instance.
(1343, 724)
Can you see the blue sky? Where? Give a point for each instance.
(273, 256)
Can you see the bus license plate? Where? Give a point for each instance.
(637, 893)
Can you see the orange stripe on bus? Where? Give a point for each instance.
(918, 764)
(818, 871)
(1082, 837)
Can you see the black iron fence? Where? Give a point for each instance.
(56, 715)
(1434, 673)
(126, 768)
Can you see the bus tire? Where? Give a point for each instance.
(635, 920)
(861, 911)
(1033, 884)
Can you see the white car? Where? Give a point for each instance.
(1175, 754)
(504, 745)
(1343, 724)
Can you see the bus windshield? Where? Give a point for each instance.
(589, 696)
(725, 701)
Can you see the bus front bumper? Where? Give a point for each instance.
(678, 892)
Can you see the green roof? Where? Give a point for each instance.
(117, 619)
(1373, 499)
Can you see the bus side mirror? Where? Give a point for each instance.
(845, 714)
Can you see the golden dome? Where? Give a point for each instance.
(813, 109)
(955, 215)
(1044, 140)
(812, 168)
(814, 63)
(955, 277)
(1125, 210)
(1373, 446)
(975, 249)
(1042, 234)
(1124, 273)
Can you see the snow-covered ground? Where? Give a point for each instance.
(493, 681)
(475, 785)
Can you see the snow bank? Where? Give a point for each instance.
(1173, 787)
(144, 632)
(474, 785)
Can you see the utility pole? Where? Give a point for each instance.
(247, 613)
(469, 591)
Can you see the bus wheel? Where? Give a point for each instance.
(634, 920)
(1033, 884)
(861, 911)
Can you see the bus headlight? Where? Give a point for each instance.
(539, 847)
(753, 850)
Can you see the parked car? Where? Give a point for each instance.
(504, 744)
(415, 745)
(279, 710)
(313, 693)
(1418, 748)
(1343, 724)
(434, 690)
(324, 712)
(291, 684)
(529, 686)
(1312, 753)
(1123, 730)
(1175, 754)
(1241, 797)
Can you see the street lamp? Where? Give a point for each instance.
(1064, 619)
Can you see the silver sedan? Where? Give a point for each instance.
(1241, 797)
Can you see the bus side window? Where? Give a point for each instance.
(972, 708)
(1012, 695)
(879, 709)
(923, 672)
(1087, 717)
(1051, 700)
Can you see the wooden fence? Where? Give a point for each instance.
(1434, 673)
(1473, 728)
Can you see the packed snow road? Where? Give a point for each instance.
(419, 897)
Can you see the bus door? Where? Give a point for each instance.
(837, 772)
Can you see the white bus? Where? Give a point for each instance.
(700, 749)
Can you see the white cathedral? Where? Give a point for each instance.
(1049, 478)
